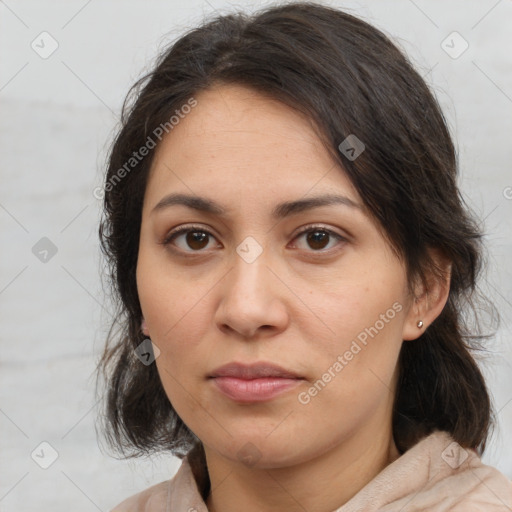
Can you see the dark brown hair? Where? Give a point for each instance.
(348, 78)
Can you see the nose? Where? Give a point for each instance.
(253, 300)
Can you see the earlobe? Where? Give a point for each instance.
(429, 300)
(144, 327)
(414, 325)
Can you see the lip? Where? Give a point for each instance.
(253, 371)
(257, 382)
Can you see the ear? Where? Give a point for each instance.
(144, 327)
(429, 300)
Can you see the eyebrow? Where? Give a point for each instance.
(280, 211)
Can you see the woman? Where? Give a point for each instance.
(294, 263)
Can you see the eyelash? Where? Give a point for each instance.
(186, 229)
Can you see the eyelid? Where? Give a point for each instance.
(184, 229)
(309, 227)
(320, 227)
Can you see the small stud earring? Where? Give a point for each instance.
(420, 324)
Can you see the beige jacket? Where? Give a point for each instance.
(435, 475)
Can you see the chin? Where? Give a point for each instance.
(261, 452)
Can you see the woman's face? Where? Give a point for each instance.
(314, 290)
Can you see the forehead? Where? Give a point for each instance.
(244, 108)
(237, 137)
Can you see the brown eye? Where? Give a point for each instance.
(195, 238)
(318, 238)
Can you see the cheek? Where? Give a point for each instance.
(361, 308)
(173, 301)
(353, 373)
(177, 322)
(182, 367)
(357, 358)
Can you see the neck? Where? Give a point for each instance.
(323, 484)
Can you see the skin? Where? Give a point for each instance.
(298, 304)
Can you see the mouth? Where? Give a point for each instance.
(253, 371)
(253, 383)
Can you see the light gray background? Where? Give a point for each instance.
(57, 118)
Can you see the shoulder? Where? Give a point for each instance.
(153, 498)
(179, 494)
(457, 478)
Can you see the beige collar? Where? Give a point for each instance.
(435, 475)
